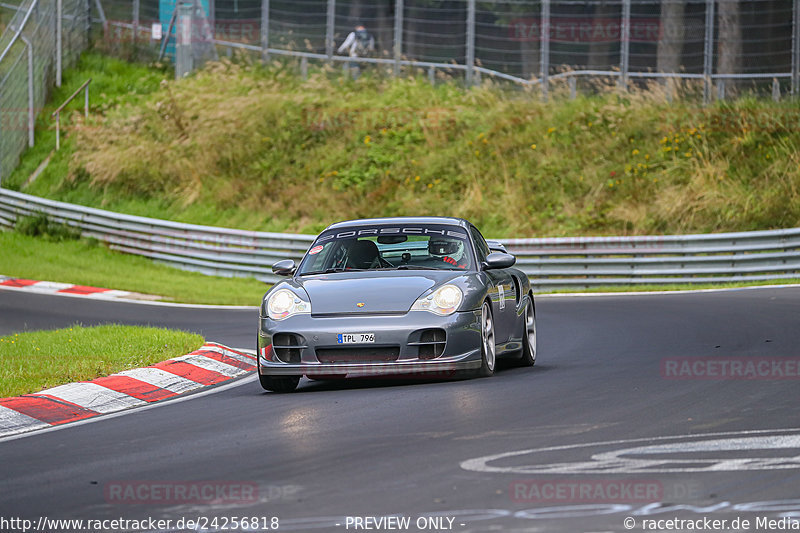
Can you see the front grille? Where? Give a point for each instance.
(368, 354)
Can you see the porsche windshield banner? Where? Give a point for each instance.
(377, 231)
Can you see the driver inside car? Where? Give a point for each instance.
(448, 250)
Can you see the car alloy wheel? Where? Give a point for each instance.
(487, 341)
(528, 355)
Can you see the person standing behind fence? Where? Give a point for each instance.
(359, 43)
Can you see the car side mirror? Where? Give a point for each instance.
(286, 267)
(497, 260)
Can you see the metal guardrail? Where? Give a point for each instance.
(549, 262)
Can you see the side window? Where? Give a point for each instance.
(480, 244)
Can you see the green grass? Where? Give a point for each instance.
(243, 146)
(114, 83)
(30, 362)
(672, 287)
(86, 263)
(239, 145)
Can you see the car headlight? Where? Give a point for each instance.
(443, 301)
(284, 303)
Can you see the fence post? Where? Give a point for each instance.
(544, 60)
(183, 46)
(135, 22)
(470, 42)
(399, 9)
(795, 48)
(708, 51)
(625, 35)
(31, 112)
(329, 27)
(59, 21)
(264, 30)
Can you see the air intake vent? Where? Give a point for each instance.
(431, 343)
(287, 347)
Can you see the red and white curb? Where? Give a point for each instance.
(210, 365)
(69, 289)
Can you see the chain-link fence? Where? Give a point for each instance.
(35, 46)
(724, 45)
(720, 46)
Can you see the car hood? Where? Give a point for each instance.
(392, 291)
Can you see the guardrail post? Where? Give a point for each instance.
(59, 29)
(708, 51)
(572, 81)
(625, 35)
(544, 60)
(776, 90)
(330, 23)
(265, 30)
(470, 42)
(399, 9)
(183, 47)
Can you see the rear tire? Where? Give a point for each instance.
(279, 383)
(488, 348)
(528, 355)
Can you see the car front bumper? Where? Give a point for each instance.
(316, 335)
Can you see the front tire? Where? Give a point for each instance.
(528, 355)
(279, 383)
(488, 348)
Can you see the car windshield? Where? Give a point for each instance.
(395, 247)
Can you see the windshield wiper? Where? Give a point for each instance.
(411, 267)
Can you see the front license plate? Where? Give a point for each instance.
(355, 338)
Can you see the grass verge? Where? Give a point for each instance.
(259, 148)
(86, 263)
(30, 362)
(671, 287)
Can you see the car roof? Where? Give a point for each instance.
(450, 221)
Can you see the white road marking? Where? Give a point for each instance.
(621, 461)
(94, 397)
(162, 379)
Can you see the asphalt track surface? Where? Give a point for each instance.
(380, 447)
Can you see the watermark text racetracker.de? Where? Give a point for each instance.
(731, 368)
(705, 523)
(603, 490)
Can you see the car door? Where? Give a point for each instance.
(502, 291)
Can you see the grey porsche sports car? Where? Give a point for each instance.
(418, 296)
